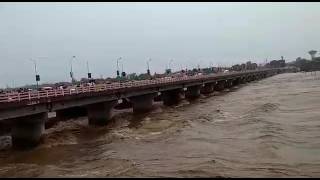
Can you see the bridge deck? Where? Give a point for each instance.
(35, 97)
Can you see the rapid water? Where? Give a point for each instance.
(268, 128)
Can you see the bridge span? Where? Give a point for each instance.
(28, 112)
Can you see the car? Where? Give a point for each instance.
(46, 88)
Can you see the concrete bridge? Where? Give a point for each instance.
(28, 112)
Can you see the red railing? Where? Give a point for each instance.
(36, 95)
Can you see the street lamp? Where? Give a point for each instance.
(121, 66)
(89, 74)
(118, 72)
(71, 71)
(148, 68)
(36, 72)
(123, 74)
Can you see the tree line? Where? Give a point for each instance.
(307, 65)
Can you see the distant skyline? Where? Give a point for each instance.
(189, 33)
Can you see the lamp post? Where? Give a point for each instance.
(121, 67)
(148, 68)
(123, 74)
(199, 65)
(118, 72)
(36, 72)
(71, 71)
(89, 74)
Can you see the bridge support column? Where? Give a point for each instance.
(193, 92)
(220, 85)
(236, 82)
(228, 83)
(264, 75)
(100, 113)
(242, 80)
(27, 131)
(143, 103)
(207, 88)
(249, 78)
(172, 97)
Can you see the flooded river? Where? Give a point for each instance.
(268, 128)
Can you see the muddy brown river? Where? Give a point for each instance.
(268, 128)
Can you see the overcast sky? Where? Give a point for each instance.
(188, 33)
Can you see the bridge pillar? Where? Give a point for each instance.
(172, 97)
(228, 83)
(220, 85)
(143, 103)
(260, 76)
(69, 113)
(27, 131)
(242, 80)
(100, 113)
(193, 92)
(236, 82)
(207, 88)
(249, 79)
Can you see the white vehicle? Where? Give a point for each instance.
(226, 71)
(46, 88)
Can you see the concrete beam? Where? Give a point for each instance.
(100, 113)
(27, 131)
(84, 101)
(11, 113)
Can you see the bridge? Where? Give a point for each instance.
(28, 111)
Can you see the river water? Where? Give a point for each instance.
(268, 128)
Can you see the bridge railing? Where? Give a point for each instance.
(31, 95)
